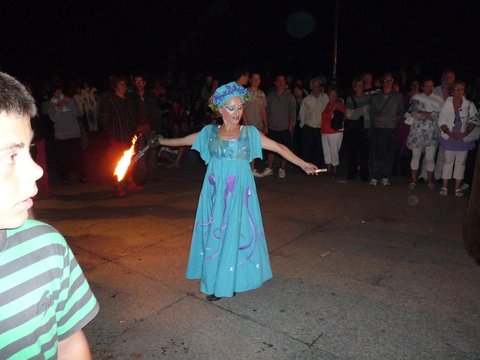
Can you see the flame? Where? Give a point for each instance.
(124, 162)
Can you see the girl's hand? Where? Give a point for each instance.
(309, 168)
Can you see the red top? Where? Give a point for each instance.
(327, 117)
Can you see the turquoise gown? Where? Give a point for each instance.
(228, 251)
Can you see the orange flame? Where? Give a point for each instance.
(124, 162)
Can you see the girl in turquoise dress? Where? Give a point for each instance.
(229, 251)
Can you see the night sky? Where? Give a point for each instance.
(97, 38)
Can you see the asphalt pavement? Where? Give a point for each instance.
(359, 272)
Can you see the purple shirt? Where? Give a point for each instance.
(452, 144)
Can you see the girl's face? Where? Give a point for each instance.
(232, 110)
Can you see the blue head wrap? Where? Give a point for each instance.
(227, 91)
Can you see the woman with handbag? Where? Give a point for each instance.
(455, 124)
(332, 130)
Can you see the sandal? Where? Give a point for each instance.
(431, 186)
(458, 192)
(443, 191)
(412, 185)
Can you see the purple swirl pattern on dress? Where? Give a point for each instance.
(219, 233)
(212, 181)
(254, 237)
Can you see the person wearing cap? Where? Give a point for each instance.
(228, 252)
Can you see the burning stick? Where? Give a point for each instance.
(152, 143)
(141, 153)
(124, 162)
(320, 170)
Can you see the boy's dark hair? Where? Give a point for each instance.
(14, 98)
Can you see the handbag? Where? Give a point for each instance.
(354, 124)
(337, 120)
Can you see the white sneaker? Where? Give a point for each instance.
(374, 182)
(256, 173)
(281, 173)
(267, 171)
(386, 182)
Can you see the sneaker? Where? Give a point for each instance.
(256, 173)
(267, 171)
(386, 182)
(281, 173)
(374, 182)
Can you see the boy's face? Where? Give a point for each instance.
(18, 171)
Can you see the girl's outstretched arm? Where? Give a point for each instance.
(176, 142)
(287, 154)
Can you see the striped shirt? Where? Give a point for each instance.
(44, 297)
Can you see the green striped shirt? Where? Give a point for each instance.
(44, 297)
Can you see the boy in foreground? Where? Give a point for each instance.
(45, 301)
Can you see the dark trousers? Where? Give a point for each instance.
(383, 145)
(145, 169)
(312, 145)
(70, 158)
(357, 147)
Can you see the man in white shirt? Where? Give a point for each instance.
(310, 116)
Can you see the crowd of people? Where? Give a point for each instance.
(376, 129)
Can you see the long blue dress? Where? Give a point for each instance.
(228, 251)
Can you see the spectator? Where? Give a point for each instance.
(281, 121)
(454, 122)
(368, 86)
(256, 111)
(311, 116)
(63, 111)
(443, 90)
(299, 95)
(45, 300)
(90, 106)
(356, 132)
(423, 135)
(144, 103)
(386, 111)
(117, 116)
(332, 138)
(242, 76)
